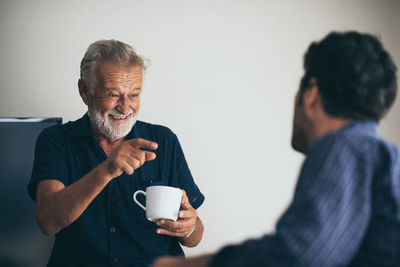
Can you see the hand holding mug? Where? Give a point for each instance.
(162, 202)
(185, 224)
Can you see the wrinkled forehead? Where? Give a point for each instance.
(105, 68)
(117, 75)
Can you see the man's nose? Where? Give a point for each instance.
(124, 105)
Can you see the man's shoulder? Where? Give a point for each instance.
(54, 130)
(65, 130)
(151, 126)
(364, 136)
(153, 130)
(52, 136)
(362, 139)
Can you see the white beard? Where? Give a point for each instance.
(109, 128)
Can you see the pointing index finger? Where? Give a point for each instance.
(143, 143)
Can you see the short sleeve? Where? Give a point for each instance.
(49, 160)
(184, 176)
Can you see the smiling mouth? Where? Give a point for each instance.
(119, 117)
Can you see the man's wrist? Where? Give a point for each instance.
(104, 171)
(191, 231)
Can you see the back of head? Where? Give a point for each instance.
(107, 51)
(355, 74)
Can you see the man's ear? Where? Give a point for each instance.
(312, 100)
(83, 91)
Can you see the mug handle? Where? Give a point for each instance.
(137, 202)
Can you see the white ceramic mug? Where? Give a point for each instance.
(162, 202)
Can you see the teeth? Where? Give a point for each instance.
(118, 117)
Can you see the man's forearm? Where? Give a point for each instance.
(59, 206)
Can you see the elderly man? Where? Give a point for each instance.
(346, 207)
(85, 172)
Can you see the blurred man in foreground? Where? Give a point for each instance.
(346, 206)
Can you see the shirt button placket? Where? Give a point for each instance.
(110, 210)
(113, 230)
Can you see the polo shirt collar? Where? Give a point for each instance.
(366, 126)
(80, 127)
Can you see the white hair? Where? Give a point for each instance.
(110, 51)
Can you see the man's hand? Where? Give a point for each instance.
(187, 218)
(129, 156)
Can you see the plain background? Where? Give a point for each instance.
(223, 76)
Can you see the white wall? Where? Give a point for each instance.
(223, 77)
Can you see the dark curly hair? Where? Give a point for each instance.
(355, 74)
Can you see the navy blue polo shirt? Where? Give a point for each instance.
(113, 230)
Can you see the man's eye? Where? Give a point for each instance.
(133, 95)
(113, 95)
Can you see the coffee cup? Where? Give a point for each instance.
(162, 202)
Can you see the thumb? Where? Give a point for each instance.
(185, 203)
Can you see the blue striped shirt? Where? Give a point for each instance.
(345, 210)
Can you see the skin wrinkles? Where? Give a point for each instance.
(115, 80)
(117, 93)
